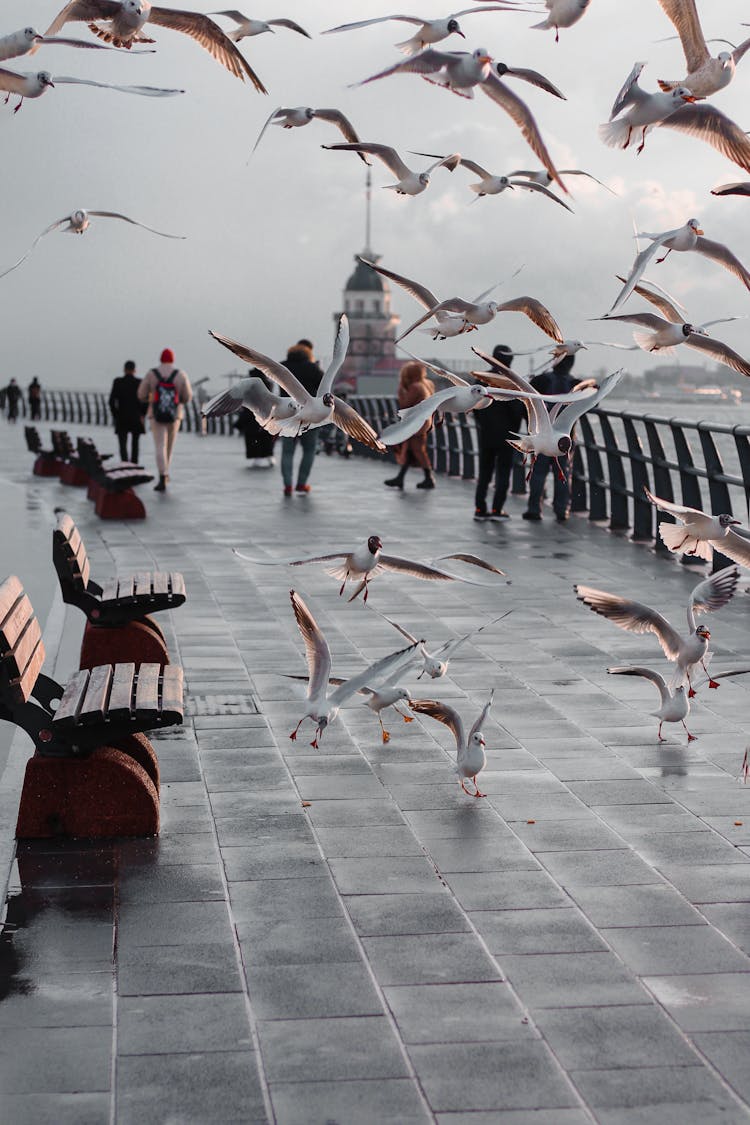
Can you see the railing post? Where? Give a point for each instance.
(662, 477)
(597, 483)
(578, 502)
(742, 444)
(468, 447)
(689, 486)
(717, 488)
(618, 485)
(453, 442)
(642, 510)
(440, 445)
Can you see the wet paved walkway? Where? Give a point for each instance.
(342, 936)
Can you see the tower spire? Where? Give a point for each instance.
(368, 215)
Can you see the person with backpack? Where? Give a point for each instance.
(167, 390)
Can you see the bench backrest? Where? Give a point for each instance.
(69, 554)
(21, 646)
(89, 455)
(33, 441)
(61, 443)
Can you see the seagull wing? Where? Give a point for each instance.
(713, 593)
(353, 424)
(269, 367)
(535, 79)
(472, 166)
(734, 546)
(684, 16)
(538, 417)
(658, 297)
(638, 269)
(144, 91)
(316, 647)
(722, 353)
(208, 33)
(422, 570)
(569, 415)
(472, 560)
(232, 14)
(291, 562)
(578, 172)
(85, 10)
(381, 669)
(412, 418)
(739, 52)
(134, 222)
(449, 648)
(340, 346)
(646, 674)
(709, 124)
(531, 185)
(388, 155)
(632, 616)
(368, 23)
(444, 714)
(251, 393)
(440, 307)
(520, 113)
(35, 243)
(536, 312)
(290, 25)
(441, 372)
(404, 632)
(630, 91)
(426, 62)
(342, 123)
(679, 510)
(644, 319)
(483, 717)
(732, 189)
(717, 252)
(419, 292)
(278, 112)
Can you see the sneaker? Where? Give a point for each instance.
(501, 515)
(288, 490)
(303, 488)
(531, 516)
(481, 514)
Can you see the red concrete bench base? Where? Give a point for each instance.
(107, 794)
(136, 643)
(119, 505)
(138, 747)
(74, 475)
(46, 467)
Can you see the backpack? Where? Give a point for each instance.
(166, 400)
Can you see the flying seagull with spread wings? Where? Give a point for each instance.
(428, 32)
(698, 534)
(705, 75)
(298, 116)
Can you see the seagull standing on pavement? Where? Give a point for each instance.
(408, 182)
(711, 594)
(323, 707)
(470, 752)
(675, 701)
(698, 534)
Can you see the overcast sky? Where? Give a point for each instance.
(270, 241)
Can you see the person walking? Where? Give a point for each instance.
(413, 387)
(495, 424)
(258, 442)
(34, 393)
(300, 360)
(127, 411)
(558, 380)
(167, 390)
(12, 399)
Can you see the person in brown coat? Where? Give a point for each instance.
(414, 387)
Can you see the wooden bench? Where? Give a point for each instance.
(118, 614)
(111, 486)
(93, 772)
(71, 470)
(46, 463)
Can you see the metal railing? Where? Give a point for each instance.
(91, 408)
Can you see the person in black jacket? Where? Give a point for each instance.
(558, 380)
(258, 442)
(35, 399)
(127, 411)
(12, 399)
(301, 362)
(495, 424)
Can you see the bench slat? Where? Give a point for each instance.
(178, 585)
(142, 584)
(94, 707)
(28, 642)
(171, 699)
(10, 591)
(109, 593)
(24, 688)
(160, 582)
(121, 694)
(147, 691)
(65, 525)
(125, 588)
(70, 704)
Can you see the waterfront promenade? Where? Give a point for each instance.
(343, 936)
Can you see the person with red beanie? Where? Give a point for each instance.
(166, 389)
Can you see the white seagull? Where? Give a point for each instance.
(698, 534)
(428, 32)
(646, 110)
(270, 410)
(323, 707)
(481, 311)
(435, 664)
(732, 189)
(249, 28)
(367, 561)
(470, 752)
(380, 695)
(711, 594)
(408, 182)
(33, 85)
(126, 19)
(460, 72)
(562, 13)
(300, 115)
(491, 184)
(28, 39)
(683, 239)
(655, 334)
(675, 701)
(313, 410)
(79, 221)
(706, 75)
(542, 177)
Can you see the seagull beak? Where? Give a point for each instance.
(698, 231)
(687, 97)
(485, 58)
(735, 523)
(457, 32)
(482, 742)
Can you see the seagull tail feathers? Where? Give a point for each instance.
(615, 133)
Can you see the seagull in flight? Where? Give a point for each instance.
(490, 184)
(697, 534)
(381, 694)
(125, 21)
(470, 750)
(321, 706)
(428, 32)
(27, 40)
(318, 409)
(732, 189)
(249, 28)
(270, 410)
(481, 311)
(301, 115)
(542, 177)
(711, 594)
(706, 75)
(562, 13)
(33, 85)
(435, 664)
(78, 222)
(461, 73)
(367, 561)
(407, 182)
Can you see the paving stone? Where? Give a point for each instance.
(311, 991)
(728, 1051)
(76, 1061)
(654, 950)
(706, 1002)
(598, 868)
(505, 854)
(383, 841)
(288, 942)
(568, 835)
(395, 1101)
(517, 1117)
(653, 1086)
(58, 1000)
(454, 1013)
(429, 959)
(731, 919)
(435, 913)
(401, 875)
(709, 882)
(175, 1024)
(278, 899)
(328, 1049)
(57, 1109)
(506, 890)
(563, 930)
(176, 969)
(600, 1038)
(648, 904)
(192, 1089)
(566, 980)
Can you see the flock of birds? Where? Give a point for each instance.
(128, 25)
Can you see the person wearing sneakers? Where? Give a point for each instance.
(167, 390)
(558, 380)
(300, 360)
(495, 424)
(413, 387)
